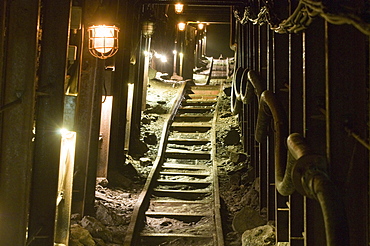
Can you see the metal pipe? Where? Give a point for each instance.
(237, 81)
(358, 138)
(335, 219)
(311, 180)
(301, 170)
(256, 80)
(251, 83)
(270, 108)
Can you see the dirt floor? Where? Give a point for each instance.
(115, 201)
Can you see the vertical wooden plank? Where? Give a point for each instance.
(49, 120)
(19, 22)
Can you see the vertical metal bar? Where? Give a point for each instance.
(346, 74)
(19, 21)
(95, 116)
(255, 50)
(281, 71)
(244, 63)
(314, 119)
(3, 19)
(49, 120)
(146, 71)
(270, 147)
(105, 126)
(264, 68)
(65, 181)
(296, 125)
(120, 87)
(138, 88)
(87, 127)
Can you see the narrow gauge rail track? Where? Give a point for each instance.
(180, 204)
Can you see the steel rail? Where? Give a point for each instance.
(142, 203)
(177, 160)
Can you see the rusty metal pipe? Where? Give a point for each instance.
(301, 170)
(256, 80)
(270, 108)
(297, 145)
(251, 84)
(235, 94)
(311, 180)
(335, 219)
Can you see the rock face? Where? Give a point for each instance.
(79, 236)
(232, 137)
(246, 219)
(150, 138)
(259, 236)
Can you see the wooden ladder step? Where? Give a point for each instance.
(184, 166)
(191, 127)
(199, 102)
(205, 87)
(176, 202)
(201, 96)
(196, 108)
(195, 118)
(191, 124)
(177, 235)
(200, 174)
(173, 214)
(192, 182)
(183, 194)
(188, 141)
(186, 154)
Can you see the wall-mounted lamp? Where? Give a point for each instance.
(179, 7)
(200, 26)
(181, 26)
(103, 41)
(148, 28)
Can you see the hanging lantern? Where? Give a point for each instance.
(181, 26)
(103, 41)
(179, 7)
(148, 28)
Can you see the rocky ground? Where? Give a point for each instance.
(238, 186)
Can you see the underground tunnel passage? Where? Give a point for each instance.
(194, 122)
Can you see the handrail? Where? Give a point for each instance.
(298, 168)
(251, 84)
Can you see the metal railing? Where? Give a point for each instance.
(297, 168)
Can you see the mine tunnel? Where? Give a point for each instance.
(189, 122)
